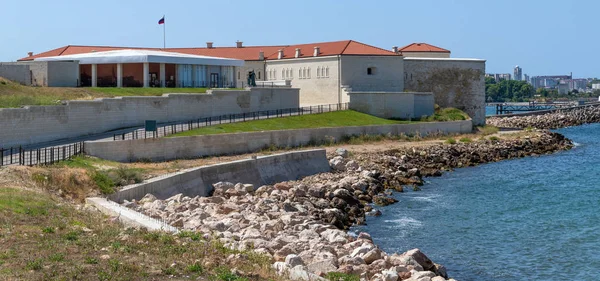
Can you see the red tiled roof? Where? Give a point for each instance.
(244, 53)
(346, 47)
(422, 47)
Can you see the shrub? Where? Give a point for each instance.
(104, 182)
(494, 138)
(57, 257)
(447, 114)
(338, 276)
(450, 141)
(35, 264)
(48, 230)
(465, 140)
(72, 236)
(195, 268)
(90, 260)
(488, 130)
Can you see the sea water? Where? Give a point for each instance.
(534, 218)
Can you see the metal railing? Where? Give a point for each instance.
(166, 129)
(39, 156)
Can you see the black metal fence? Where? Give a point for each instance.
(39, 156)
(173, 128)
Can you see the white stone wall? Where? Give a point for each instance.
(239, 143)
(39, 73)
(386, 73)
(425, 55)
(16, 72)
(37, 124)
(241, 74)
(456, 83)
(260, 171)
(316, 86)
(401, 105)
(62, 73)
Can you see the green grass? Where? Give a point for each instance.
(16, 95)
(447, 114)
(330, 119)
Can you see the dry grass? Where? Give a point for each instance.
(45, 238)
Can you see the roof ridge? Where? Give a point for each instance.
(347, 44)
(364, 44)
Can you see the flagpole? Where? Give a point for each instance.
(164, 33)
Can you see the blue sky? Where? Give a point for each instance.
(543, 37)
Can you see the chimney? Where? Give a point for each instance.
(297, 52)
(317, 51)
(261, 55)
(209, 45)
(239, 44)
(280, 55)
(30, 54)
(395, 49)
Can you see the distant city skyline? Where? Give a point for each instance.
(464, 27)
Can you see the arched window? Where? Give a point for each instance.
(239, 75)
(318, 72)
(327, 72)
(300, 73)
(308, 73)
(291, 73)
(259, 74)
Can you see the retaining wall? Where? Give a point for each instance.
(161, 149)
(403, 105)
(38, 124)
(260, 171)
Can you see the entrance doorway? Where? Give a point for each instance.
(214, 80)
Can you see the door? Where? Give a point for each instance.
(214, 80)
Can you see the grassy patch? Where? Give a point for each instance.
(16, 95)
(104, 250)
(450, 141)
(487, 130)
(80, 171)
(330, 119)
(466, 140)
(338, 276)
(447, 114)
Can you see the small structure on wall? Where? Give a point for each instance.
(146, 68)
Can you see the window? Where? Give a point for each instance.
(291, 73)
(239, 75)
(371, 70)
(327, 72)
(319, 72)
(304, 73)
(300, 73)
(308, 73)
(259, 74)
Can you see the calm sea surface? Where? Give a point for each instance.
(536, 218)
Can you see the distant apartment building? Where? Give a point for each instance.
(499, 76)
(548, 81)
(526, 78)
(596, 86)
(518, 73)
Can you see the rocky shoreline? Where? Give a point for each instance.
(302, 224)
(554, 120)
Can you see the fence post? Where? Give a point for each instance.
(1, 157)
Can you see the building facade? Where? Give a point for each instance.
(518, 73)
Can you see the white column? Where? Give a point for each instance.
(162, 75)
(146, 75)
(119, 75)
(94, 75)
